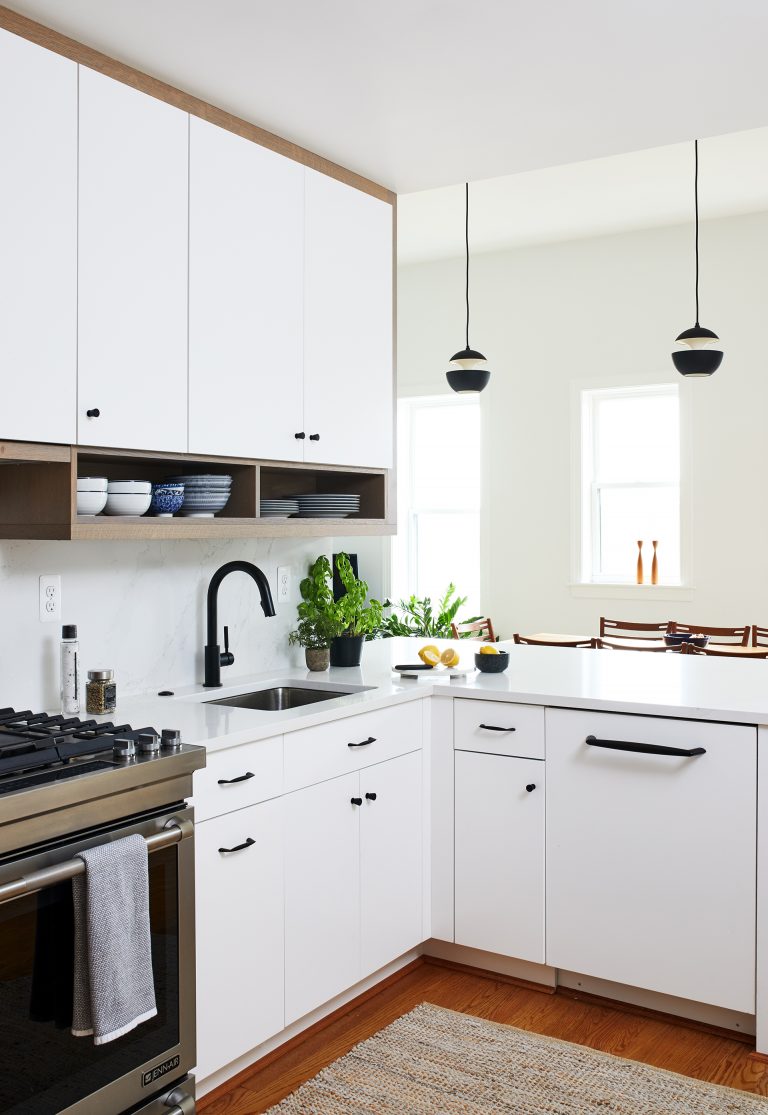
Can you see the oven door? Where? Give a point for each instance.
(44, 1070)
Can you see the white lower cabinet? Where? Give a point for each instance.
(353, 887)
(499, 854)
(239, 905)
(651, 854)
(322, 894)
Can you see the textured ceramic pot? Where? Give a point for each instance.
(317, 658)
(167, 499)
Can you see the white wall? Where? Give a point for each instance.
(140, 609)
(552, 316)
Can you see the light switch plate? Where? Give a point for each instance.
(283, 584)
(50, 598)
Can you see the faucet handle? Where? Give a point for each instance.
(227, 657)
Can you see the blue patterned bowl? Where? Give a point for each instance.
(166, 499)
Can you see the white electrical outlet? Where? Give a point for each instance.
(50, 598)
(283, 584)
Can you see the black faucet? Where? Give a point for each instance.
(214, 658)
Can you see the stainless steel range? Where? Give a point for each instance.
(65, 785)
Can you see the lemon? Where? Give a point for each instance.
(429, 655)
(488, 649)
(449, 657)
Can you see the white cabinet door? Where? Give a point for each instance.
(239, 905)
(499, 849)
(651, 857)
(246, 258)
(132, 274)
(38, 242)
(390, 860)
(322, 894)
(348, 381)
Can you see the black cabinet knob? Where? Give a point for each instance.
(300, 436)
(314, 437)
(531, 787)
(93, 413)
(356, 801)
(370, 797)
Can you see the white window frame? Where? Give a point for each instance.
(404, 432)
(585, 492)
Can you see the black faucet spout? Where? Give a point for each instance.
(214, 659)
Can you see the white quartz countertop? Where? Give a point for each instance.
(703, 688)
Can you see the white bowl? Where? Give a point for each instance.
(92, 483)
(90, 503)
(120, 503)
(129, 487)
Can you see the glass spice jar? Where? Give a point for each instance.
(100, 692)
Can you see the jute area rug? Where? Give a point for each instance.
(434, 1061)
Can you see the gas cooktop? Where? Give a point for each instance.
(51, 764)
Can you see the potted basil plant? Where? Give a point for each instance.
(318, 623)
(357, 615)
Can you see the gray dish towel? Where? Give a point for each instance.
(114, 990)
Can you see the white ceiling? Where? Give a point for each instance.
(639, 190)
(423, 93)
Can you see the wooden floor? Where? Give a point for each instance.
(637, 1035)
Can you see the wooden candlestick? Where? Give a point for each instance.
(654, 566)
(639, 563)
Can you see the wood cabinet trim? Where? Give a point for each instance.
(86, 56)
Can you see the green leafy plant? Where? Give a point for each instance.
(357, 614)
(318, 618)
(420, 618)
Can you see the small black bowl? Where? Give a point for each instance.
(677, 638)
(492, 663)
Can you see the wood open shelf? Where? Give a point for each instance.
(38, 495)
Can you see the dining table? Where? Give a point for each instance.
(724, 650)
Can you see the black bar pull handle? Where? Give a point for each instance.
(371, 797)
(239, 847)
(363, 743)
(495, 728)
(645, 748)
(240, 778)
(356, 801)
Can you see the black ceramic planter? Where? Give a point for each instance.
(347, 650)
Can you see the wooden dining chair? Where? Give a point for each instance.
(722, 651)
(480, 629)
(759, 636)
(526, 641)
(631, 629)
(619, 644)
(720, 635)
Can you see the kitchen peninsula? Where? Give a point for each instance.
(644, 859)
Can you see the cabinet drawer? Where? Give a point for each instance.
(315, 754)
(238, 777)
(498, 728)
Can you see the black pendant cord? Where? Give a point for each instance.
(696, 209)
(466, 244)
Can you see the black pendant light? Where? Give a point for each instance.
(697, 358)
(467, 371)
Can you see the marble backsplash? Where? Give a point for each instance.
(140, 609)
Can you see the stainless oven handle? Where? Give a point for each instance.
(173, 833)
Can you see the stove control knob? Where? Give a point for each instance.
(124, 750)
(149, 743)
(171, 739)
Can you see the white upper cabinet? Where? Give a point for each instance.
(246, 257)
(38, 242)
(348, 378)
(132, 283)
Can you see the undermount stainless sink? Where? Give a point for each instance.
(282, 697)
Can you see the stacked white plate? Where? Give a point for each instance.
(326, 505)
(278, 508)
(205, 494)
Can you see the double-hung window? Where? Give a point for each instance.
(438, 540)
(630, 483)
